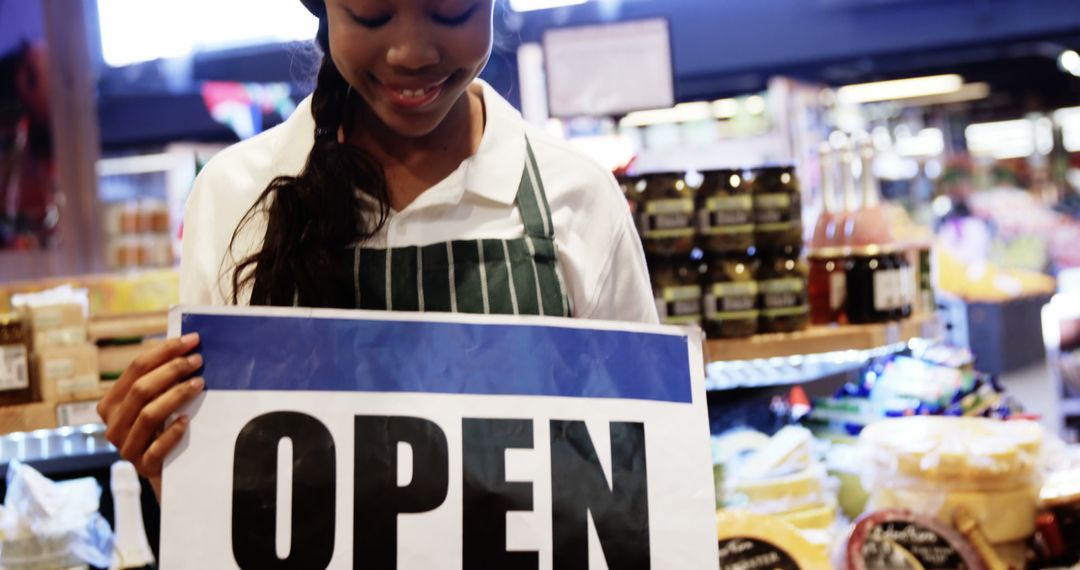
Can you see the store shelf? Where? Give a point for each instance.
(132, 325)
(808, 356)
(59, 450)
(821, 340)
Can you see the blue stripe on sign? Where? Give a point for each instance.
(282, 353)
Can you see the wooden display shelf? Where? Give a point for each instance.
(131, 325)
(821, 339)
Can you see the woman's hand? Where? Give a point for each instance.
(152, 389)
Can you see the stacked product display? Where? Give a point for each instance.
(866, 265)
(726, 253)
(55, 362)
(138, 235)
(939, 492)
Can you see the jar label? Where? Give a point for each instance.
(732, 301)
(727, 215)
(772, 212)
(58, 368)
(752, 554)
(667, 219)
(679, 305)
(887, 290)
(783, 297)
(14, 374)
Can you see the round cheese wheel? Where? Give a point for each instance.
(777, 495)
(896, 539)
(962, 454)
(1002, 516)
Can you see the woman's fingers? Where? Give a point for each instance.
(152, 461)
(147, 362)
(143, 392)
(151, 417)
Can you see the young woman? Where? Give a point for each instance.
(403, 183)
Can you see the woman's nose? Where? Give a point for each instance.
(413, 51)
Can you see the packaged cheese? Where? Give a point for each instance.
(756, 542)
(774, 495)
(788, 451)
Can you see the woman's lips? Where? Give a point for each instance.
(413, 96)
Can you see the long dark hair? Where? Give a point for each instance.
(312, 218)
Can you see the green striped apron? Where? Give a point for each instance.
(490, 276)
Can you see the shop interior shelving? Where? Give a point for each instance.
(818, 352)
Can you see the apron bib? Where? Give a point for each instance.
(488, 276)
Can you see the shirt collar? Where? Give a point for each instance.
(493, 173)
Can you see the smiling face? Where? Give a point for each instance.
(410, 60)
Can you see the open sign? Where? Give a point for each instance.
(354, 440)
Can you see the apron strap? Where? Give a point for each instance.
(532, 201)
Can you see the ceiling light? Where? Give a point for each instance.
(531, 5)
(900, 89)
(1069, 61)
(681, 113)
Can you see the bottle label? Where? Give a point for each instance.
(732, 301)
(837, 290)
(783, 297)
(13, 369)
(727, 215)
(752, 554)
(680, 305)
(885, 284)
(772, 212)
(672, 218)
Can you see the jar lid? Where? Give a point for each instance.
(8, 319)
(873, 250)
(829, 253)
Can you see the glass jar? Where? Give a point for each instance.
(725, 210)
(777, 207)
(827, 286)
(15, 387)
(782, 283)
(731, 297)
(630, 189)
(676, 283)
(871, 286)
(905, 284)
(666, 215)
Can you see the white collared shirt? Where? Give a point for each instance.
(599, 252)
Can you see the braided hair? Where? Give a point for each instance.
(313, 217)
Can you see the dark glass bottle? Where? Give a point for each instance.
(827, 286)
(869, 286)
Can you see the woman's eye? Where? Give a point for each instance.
(371, 22)
(456, 20)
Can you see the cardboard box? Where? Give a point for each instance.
(27, 417)
(67, 373)
(55, 325)
(59, 316)
(113, 360)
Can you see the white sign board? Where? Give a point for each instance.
(610, 69)
(347, 439)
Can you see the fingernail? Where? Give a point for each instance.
(183, 421)
(195, 360)
(190, 339)
(197, 384)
